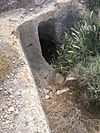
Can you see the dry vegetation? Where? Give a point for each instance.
(65, 113)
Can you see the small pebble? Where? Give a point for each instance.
(5, 116)
(1, 89)
(7, 122)
(1, 116)
(47, 97)
(62, 91)
(49, 87)
(18, 93)
(14, 61)
(46, 91)
(16, 112)
(11, 109)
(11, 96)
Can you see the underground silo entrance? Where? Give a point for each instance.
(47, 38)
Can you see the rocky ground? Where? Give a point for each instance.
(6, 5)
(20, 104)
(64, 113)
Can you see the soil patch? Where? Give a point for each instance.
(5, 65)
(63, 113)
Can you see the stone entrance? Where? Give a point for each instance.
(47, 37)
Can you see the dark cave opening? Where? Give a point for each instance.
(48, 41)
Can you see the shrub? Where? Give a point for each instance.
(83, 42)
(81, 51)
(90, 84)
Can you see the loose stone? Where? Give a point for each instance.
(11, 109)
(47, 97)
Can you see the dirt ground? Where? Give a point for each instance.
(5, 65)
(64, 114)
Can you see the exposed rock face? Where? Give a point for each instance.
(6, 5)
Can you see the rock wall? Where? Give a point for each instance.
(6, 5)
(50, 21)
